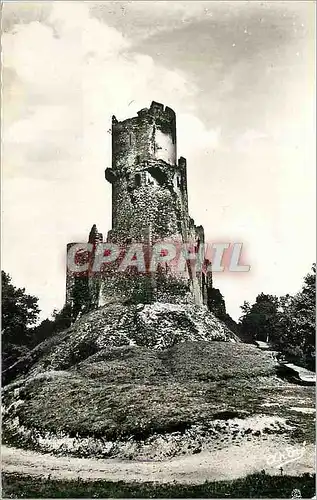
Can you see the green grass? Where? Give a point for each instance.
(92, 406)
(119, 392)
(253, 486)
(135, 392)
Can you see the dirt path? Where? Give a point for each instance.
(228, 463)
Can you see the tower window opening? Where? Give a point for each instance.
(148, 179)
(178, 181)
(197, 245)
(173, 136)
(153, 139)
(137, 180)
(130, 139)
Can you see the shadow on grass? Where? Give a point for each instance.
(253, 486)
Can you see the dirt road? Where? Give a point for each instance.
(228, 463)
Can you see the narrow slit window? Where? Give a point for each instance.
(153, 139)
(137, 180)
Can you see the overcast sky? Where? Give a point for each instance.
(240, 76)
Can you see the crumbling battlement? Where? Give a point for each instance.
(149, 189)
(150, 135)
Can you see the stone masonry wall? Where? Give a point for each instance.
(149, 205)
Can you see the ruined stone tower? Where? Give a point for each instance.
(149, 205)
(149, 192)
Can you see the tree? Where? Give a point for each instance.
(19, 312)
(297, 322)
(304, 307)
(246, 308)
(60, 321)
(216, 304)
(259, 321)
(288, 322)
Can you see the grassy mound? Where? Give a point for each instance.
(155, 326)
(113, 400)
(149, 382)
(122, 391)
(128, 390)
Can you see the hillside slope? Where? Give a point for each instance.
(98, 390)
(156, 326)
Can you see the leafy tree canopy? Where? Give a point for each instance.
(287, 322)
(19, 312)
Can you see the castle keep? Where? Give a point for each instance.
(149, 205)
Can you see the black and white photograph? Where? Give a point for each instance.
(158, 249)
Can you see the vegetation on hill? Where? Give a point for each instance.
(216, 304)
(287, 323)
(19, 313)
(149, 381)
(130, 394)
(158, 326)
(48, 327)
(130, 390)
